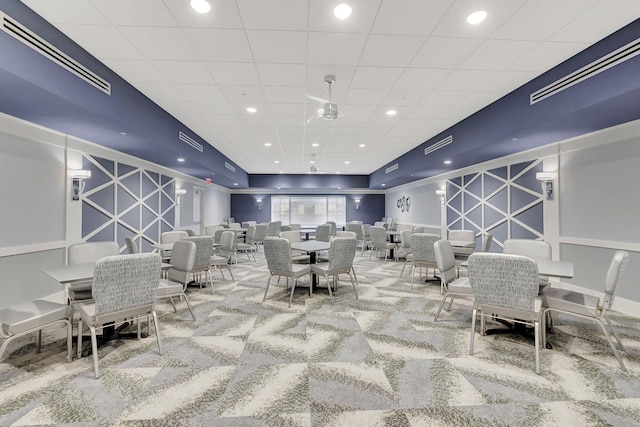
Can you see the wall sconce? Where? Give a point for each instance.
(180, 192)
(357, 203)
(78, 177)
(442, 194)
(259, 201)
(546, 179)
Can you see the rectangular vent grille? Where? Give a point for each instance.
(23, 34)
(229, 166)
(391, 168)
(614, 58)
(438, 145)
(184, 138)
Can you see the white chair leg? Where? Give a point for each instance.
(157, 328)
(613, 347)
(352, 275)
(94, 350)
(473, 330)
(69, 341)
(79, 349)
(536, 331)
(267, 290)
(189, 306)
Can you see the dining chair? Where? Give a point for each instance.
(87, 252)
(259, 235)
(171, 237)
(132, 247)
(419, 229)
(183, 256)
(210, 230)
(124, 288)
(341, 233)
(505, 287)
(366, 236)
(468, 238)
(323, 232)
(285, 228)
(247, 247)
(590, 307)
(223, 254)
(536, 249)
(296, 255)
(277, 251)
(487, 238)
(357, 228)
(33, 316)
(379, 242)
(422, 255)
(447, 273)
(273, 228)
(405, 243)
(333, 229)
(202, 261)
(341, 254)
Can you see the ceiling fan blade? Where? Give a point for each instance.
(318, 99)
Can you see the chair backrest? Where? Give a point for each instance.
(293, 237)
(487, 238)
(210, 230)
(341, 254)
(183, 257)
(295, 226)
(402, 227)
(204, 250)
(244, 224)
(381, 224)
(536, 249)
(378, 235)
(277, 251)
(80, 253)
(366, 231)
(234, 225)
(132, 248)
(260, 233)
(422, 247)
(323, 232)
(504, 280)
(227, 244)
(618, 265)
(218, 234)
(356, 228)
(405, 238)
(418, 229)
(231, 220)
(332, 231)
(465, 235)
(124, 282)
(445, 260)
(173, 236)
(248, 237)
(346, 234)
(285, 228)
(273, 228)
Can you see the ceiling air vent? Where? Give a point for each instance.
(188, 140)
(391, 168)
(229, 166)
(614, 58)
(23, 34)
(438, 145)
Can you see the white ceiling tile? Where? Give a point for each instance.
(151, 13)
(365, 96)
(409, 16)
(234, 73)
(223, 14)
(278, 46)
(280, 94)
(184, 72)
(92, 39)
(287, 15)
(160, 43)
(390, 51)
(425, 113)
(136, 71)
(497, 54)
(321, 16)
(546, 56)
(288, 110)
(282, 74)
(454, 23)
(68, 12)
(375, 77)
(444, 98)
(201, 92)
(421, 79)
(161, 92)
(445, 52)
(219, 44)
(243, 94)
(478, 100)
(335, 48)
(507, 81)
(465, 80)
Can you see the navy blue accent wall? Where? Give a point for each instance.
(307, 181)
(244, 207)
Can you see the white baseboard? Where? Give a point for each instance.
(623, 305)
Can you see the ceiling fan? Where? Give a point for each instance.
(329, 109)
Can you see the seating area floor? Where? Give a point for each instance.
(376, 361)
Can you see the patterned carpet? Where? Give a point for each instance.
(376, 361)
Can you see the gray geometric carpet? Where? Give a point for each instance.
(376, 361)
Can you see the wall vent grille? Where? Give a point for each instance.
(391, 168)
(438, 145)
(229, 166)
(188, 140)
(599, 65)
(35, 42)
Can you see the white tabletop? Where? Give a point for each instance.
(311, 246)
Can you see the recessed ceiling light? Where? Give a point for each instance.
(392, 113)
(346, 162)
(383, 185)
(267, 144)
(315, 144)
(235, 183)
(200, 6)
(312, 161)
(338, 173)
(476, 17)
(180, 159)
(281, 172)
(251, 109)
(276, 161)
(362, 145)
(447, 162)
(342, 11)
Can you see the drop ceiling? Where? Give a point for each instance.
(419, 58)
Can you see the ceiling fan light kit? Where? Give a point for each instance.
(329, 110)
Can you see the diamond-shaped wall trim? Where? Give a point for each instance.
(125, 200)
(132, 183)
(124, 169)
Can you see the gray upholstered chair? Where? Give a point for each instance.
(259, 234)
(285, 228)
(453, 285)
(505, 287)
(357, 228)
(124, 287)
(341, 233)
(590, 307)
(34, 316)
(535, 249)
(466, 240)
(277, 251)
(419, 229)
(296, 255)
(323, 232)
(379, 242)
(334, 228)
(341, 254)
(210, 230)
(218, 233)
(247, 247)
(422, 255)
(235, 225)
(297, 227)
(132, 248)
(202, 262)
(190, 231)
(222, 256)
(273, 228)
(87, 252)
(366, 236)
(171, 237)
(183, 256)
(405, 242)
(487, 238)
